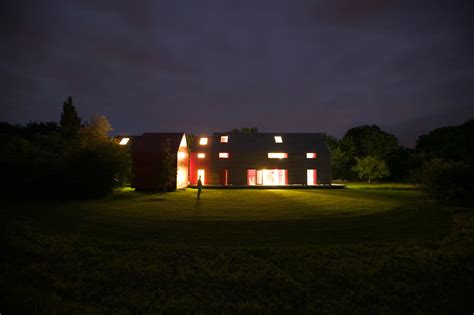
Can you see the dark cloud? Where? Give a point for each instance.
(312, 65)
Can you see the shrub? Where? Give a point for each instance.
(448, 181)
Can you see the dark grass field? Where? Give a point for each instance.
(366, 249)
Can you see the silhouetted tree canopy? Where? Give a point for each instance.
(190, 141)
(449, 143)
(360, 142)
(369, 140)
(70, 122)
(45, 160)
(245, 130)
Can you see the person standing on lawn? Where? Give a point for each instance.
(199, 187)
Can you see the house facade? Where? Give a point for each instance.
(230, 159)
(266, 159)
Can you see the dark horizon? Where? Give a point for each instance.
(309, 66)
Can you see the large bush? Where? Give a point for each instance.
(41, 160)
(94, 172)
(448, 181)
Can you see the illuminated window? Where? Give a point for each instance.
(224, 139)
(279, 155)
(181, 155)
(278, 139)
(203, 141)
(182, 177)
(267, 177)
(201, 174)
(311, 155)
(223, 155)
(251, 177)
(311, 177)
(201, 155)
(124, 141)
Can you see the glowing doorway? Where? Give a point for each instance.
(201, 173)
(311, 177)
(267, 177)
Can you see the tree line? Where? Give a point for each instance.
(442, 160)
(69, 159)
(76, 159)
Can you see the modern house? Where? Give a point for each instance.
(232, 159)
(267, 159)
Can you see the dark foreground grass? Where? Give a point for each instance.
(239, 251)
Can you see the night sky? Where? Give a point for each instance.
(201, 66)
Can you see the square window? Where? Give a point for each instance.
(223, 155)
(201, 155)
(278, 139)
(203, 141)
(224, 139)
(124, 141)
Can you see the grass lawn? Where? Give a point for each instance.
(355, 250)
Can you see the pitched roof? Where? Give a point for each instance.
(152, 142)
(254, 142)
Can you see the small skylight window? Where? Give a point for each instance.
(277, 155)
(311, 155)
(223, 155)
(203, 141)
(224, 139)
(201, 155)
(124, 141)
(278, 139)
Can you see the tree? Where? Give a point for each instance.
(40, 162)
(166, 175)
(369, 140)
(365, 141)
(245, 130)
(42, 128)
(95, 131)
(70, 122)
(454, 143)
(339, 159)
(371, 168)
(190, 141)
(402, 162)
